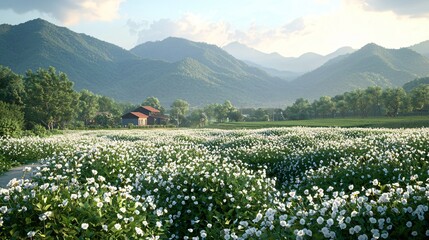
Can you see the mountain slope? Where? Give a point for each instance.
(422, 48)
(38, 43)
(197, 72)
(305, 63)
(369, 66)
(227, 77)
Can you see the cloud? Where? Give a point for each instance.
(189, 26)
(414, 8)
(294, 26)
(67, 11)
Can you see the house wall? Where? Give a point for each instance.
(126, 121)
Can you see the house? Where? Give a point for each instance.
(144, 115)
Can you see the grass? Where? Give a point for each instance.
(370, 122)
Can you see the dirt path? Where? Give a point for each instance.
(16, 172)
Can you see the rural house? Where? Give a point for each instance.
(144, 115)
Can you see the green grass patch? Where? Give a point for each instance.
(371, 122)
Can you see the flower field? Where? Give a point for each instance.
(280, 183)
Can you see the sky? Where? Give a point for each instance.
(288, 27)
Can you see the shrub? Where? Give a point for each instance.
(11, 119)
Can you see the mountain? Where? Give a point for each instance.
(305, 63)
(224, 76)
(422, 48)
(38, 43)
(174, 68)
(415, 83)
(371, 65)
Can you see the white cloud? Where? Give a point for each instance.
(414, 8)
(68, 11)
(191, 27)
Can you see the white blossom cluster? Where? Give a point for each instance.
(283, 183)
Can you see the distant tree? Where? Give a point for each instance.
(395, 100)
(50, 99)
(11, 86)
(155, 103)
(88, 106)
(179, 109)
(210, 111)
(373, 97)
(420, 97)
(300, 109)
(224, 111)
(324, 107)
(235, 116)
(11, 119)
(261, 115)
(108, 107)
(198, 118)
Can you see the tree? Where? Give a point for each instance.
(155, 103)
(88, 106)
(50, 99)
(324, 106)
(11, 87)
(373, 97)
(300, 109)
(420, 97)
(395, 100)
(198, 118)
(179, 109)
(11, 119)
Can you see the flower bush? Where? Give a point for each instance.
(284, 183)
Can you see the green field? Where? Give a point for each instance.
(371, 122)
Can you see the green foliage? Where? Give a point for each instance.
(39, 130)
(409, 86)
(88, 106)
(11, 86)
(179, 109)
(395, 101)
(301, 109)
(50, 98)
(155, 103)
(11, 119)
(420, 97)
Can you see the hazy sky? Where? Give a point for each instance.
(289, 27)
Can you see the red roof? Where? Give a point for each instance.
(139, 114)
(151, 109)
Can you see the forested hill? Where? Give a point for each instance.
(201, 74)
(38, 43)
(372, 65)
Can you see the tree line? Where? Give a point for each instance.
(45, 99)
(372, 101)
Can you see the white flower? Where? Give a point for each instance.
(375, 182)
(409, 224)
(118, 226)
(139, 231)
(320, 220)
(84, 226)
(158, 224)
(31, 234)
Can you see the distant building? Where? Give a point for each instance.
(144, 115)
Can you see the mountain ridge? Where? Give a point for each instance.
(299, 65)
(200, 73)
(372, 65)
